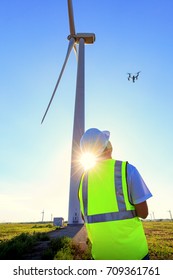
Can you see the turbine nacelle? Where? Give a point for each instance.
(89, 38)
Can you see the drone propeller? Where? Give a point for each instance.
(129, 77)
(70, 46)
(137, 75)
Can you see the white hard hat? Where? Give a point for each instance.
(94, 140)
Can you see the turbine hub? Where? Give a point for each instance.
(89, 38)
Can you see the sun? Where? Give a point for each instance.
(88, 160)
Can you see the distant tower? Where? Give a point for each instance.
(170, 214)
(42, 215)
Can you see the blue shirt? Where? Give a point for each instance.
(138, 190)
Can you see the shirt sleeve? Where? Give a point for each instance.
(137, 189)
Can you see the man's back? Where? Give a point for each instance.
(112, 225)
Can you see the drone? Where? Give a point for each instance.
(133, 77)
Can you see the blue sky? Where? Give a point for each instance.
(131, 36)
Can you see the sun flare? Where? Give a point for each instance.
(88, 160)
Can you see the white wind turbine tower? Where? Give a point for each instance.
(80, 39)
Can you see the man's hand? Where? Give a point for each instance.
(141, 209)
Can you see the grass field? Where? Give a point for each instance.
(160, 239)
(159, 236)
(8, 231)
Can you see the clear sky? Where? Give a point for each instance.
(131, 36)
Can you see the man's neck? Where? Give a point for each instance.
(106, 155)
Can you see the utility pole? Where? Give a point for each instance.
(153, 216)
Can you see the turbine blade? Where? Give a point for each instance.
(70, 46)
(71, 18)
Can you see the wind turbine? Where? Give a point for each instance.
(170, 215)
(42, 215)
(80, 39)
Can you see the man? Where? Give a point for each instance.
(112, 197)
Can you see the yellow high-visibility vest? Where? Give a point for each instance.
(115, 232)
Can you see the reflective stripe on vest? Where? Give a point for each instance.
(122, 214)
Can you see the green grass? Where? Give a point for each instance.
(17, 239)
(63, 248)
(160, 239)
(17, 247)
(8, 231)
